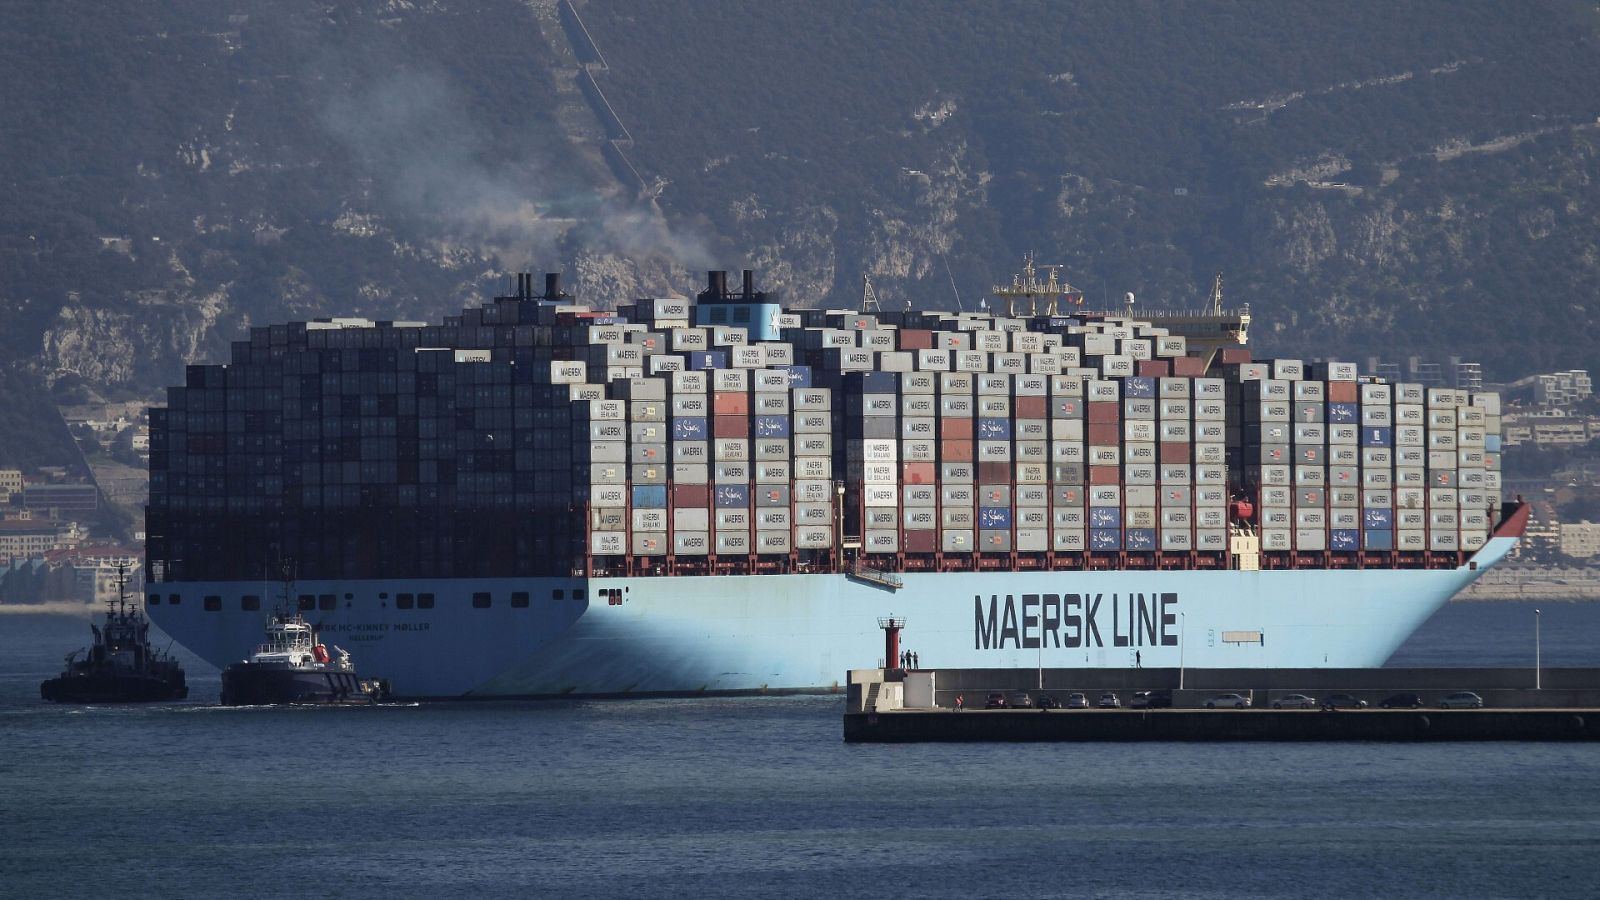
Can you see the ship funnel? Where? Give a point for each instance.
(552, 285)
(749, 284)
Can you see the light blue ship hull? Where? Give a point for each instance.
(687, 635)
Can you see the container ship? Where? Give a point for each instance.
(536, 498)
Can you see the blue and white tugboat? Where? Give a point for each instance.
(291, 666)
(121, 666)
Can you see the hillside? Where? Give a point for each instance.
(1371, 178)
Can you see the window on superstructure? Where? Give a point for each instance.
(558, 594)
(174, 599)
(213, 603)
(481, 600)
(307, 601)
(519, 599)
(249, 602)
(577, 593)
(424, 601)
(154, 600)
(404, 601)
(326, 601)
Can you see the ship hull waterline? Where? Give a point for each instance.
(731, 634)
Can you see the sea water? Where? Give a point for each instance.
(759, 797)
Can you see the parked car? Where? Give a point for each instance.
(1295, 701)
(995, 701)
(1109, 700)
(1046, 701)
(1343, 701)
(1462, 700)
(1019, 700)
(1229, 701)
(1077, 701)
(1402, 701)
(1151, 700)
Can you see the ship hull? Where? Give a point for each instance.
(728, 634)
(110, 688)
(256, 684)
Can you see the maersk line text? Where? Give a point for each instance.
(1074, 620)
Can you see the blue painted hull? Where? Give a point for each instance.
(687, 635)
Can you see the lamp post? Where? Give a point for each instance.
(1537, 667)
(1183, 622)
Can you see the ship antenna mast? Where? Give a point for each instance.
(1216, 295)
(869, 297)
(953, 289)
(1030, 286)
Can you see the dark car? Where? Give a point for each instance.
(1402, 701)
(1046, 701)
(1019, 700)
(995, 701)
(1343, 701)
(1151, 700)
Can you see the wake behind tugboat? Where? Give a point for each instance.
(121, 667)
(290, 666)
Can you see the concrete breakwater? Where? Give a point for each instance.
(1225, 725)
(927, 705)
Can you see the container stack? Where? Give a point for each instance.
(533, 437)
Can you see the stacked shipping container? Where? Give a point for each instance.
(531, 438)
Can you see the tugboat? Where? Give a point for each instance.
(291, 666)
(121, 667)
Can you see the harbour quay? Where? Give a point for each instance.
(899, 706)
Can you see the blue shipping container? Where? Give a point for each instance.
(799, 376)
(1378, 540)
(873, 382)
(772, 426)
(1344, 539)
(1139, 387)
(649, 496)
(690, 428)
(994, 429)
(700, 360)
(1342, 414)
(1105, 539)
(1139, 539)
(1382, 519)
(994, 517)
(1491, 443)
(1105, 517)
(1377, 437)
(733, 496)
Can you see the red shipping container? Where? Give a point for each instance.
(955, 451)
(1105, 474)
(1233, 356)
(955, 429)
(691, 496)
(1152, 368)
(916, 339)
(920, 541)
(917, 473)
(1104, 412)
(994, 473)
(1189, 367)
(1031, 407)
(1342, 392)
(730, 426)
(1174, 453)
(730, 403)
(1103, 435)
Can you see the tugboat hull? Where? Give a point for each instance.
(254, 684)
(111, 688)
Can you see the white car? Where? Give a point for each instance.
(1229, 701)
(1109, 700)
(1462, 700)
(1295, 701)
